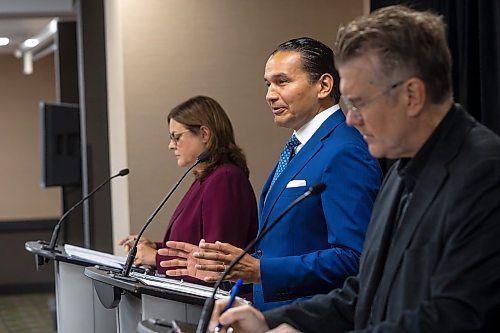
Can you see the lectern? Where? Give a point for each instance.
(78, 307)
(149, 297)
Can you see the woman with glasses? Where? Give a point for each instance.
(220, 204)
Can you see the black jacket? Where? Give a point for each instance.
(441, 270)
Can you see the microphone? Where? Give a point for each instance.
(55, 233)
(208, 307)
(203, 157)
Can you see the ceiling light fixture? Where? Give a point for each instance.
(31, 42)
(37, 46)
(4, 41)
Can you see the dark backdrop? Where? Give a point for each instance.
(473, 32)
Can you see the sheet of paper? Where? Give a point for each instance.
(179, 285)
(95, 257)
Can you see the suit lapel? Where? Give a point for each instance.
(423, 195)
(310, 149)
(384, 209)
(428, 186)
(378, 240)
(292, 169)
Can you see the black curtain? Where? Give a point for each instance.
(473, 32)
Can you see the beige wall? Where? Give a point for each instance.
(162, 52)
(21, 196)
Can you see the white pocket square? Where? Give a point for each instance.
(296, 183)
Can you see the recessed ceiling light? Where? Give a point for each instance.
(4, 41)
(32, 42)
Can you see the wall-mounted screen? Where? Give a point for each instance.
(60, 144)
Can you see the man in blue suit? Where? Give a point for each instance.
(318, 243)
(431, 258)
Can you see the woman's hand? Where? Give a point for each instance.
(128, 241)
(146, 255)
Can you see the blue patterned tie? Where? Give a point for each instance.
(285, 157)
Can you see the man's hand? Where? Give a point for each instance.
(243, 318)
(248, 268)
(284, 328)
(185, 263)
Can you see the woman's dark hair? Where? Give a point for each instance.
(205, 111)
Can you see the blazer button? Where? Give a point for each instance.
(259, 253)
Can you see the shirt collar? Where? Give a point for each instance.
(410, 169)
(308, 130)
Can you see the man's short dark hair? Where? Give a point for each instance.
(317, 59)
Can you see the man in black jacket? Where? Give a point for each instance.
(431, 258)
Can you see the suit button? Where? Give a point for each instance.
(259, 253)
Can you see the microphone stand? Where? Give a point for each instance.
(133, 251)
(208, 307)
(55, 234)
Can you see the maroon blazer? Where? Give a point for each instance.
(220, 207)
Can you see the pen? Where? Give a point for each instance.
(232, 296)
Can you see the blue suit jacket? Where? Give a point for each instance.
(318, 243)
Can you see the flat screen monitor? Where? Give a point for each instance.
(60, 144)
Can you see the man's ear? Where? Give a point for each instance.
(414, 90)
(325, 83)
(205, 133)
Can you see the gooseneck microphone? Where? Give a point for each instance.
(203, 157)
(55, 233)
(208, 307)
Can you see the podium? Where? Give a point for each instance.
(149, 297)
(155, 326)
(78, 307)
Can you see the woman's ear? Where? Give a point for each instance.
(205, 133)
(325, 86)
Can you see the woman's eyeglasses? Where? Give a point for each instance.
(175, 137)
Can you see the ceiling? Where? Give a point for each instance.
(18, 30)
(22, 19)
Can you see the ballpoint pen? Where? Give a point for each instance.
(232, 296)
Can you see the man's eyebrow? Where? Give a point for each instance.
(355, 99)
(276, 76)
